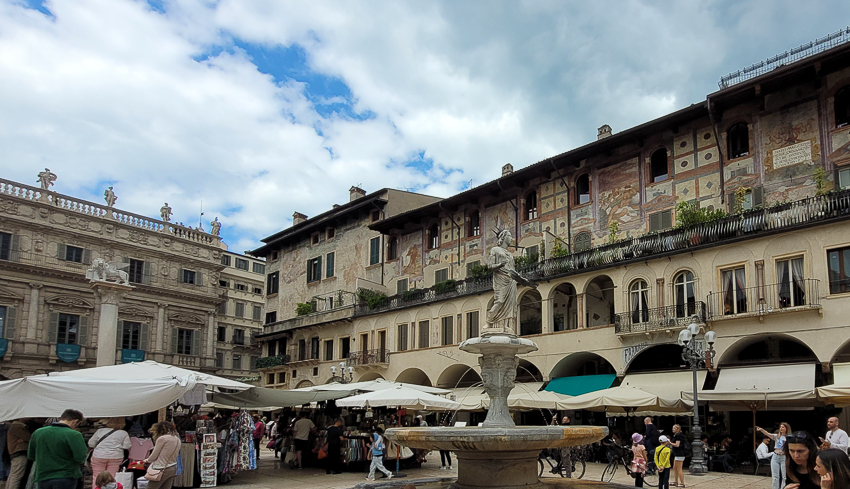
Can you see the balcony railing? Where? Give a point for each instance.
(765, 299)
(297, 354)
(424, 296)
(659, 318)
(274, 361)
(368, 357)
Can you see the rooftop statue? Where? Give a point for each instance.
(46, 178)
(215, 227)
(165, 212)
(110, 197)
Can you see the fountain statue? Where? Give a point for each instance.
(498, 454)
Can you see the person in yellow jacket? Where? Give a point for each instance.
(662, 462)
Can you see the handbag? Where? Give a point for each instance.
(270, 444)
(153, 474)
(86, 468)
(323, 451)
(125, 479)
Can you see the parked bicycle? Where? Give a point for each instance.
(618, 456)
(577, 464)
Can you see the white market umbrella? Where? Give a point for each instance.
(150, 369)
(627, 399)
(399, 396)
(370, 386)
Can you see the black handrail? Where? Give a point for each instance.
(659, 318)
(764, 299)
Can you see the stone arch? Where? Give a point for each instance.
(841, 353)
(304, 383)
(370, 376)
(563, 304)
(787, 247)
(414, 376)
(458, 375)
(423, 314)
(582, 363)
(447, 309)
(667, 356)
(599, 301)
(530, 313)
(766, 348)
(528, 372)
(470, 305)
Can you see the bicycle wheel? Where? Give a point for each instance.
(609, 471)
(540, 465)
(650, 479)
(578, 469)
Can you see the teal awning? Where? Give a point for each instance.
(580, 384)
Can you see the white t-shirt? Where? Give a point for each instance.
(302, 429)
(111, 447)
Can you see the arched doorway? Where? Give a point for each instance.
(530, 313)
(583, 363)
(599, 302)
(564, 308)
(657, 358)
(458, 375)
(767, 349)
(414, 376)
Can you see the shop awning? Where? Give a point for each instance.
(263, 397)
(524, 396)
(841, 373)
(761, 387)
(580, 384)
(666, 384)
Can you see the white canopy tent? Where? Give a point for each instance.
(761, 387)
(44, 396)
(628, 400)
(524, 396)
(370, 386)
(150, 369)
(265, 399)
(399, 396)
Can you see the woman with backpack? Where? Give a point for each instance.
(678, 445)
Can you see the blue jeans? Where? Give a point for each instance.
(67, 483)
(777, 471)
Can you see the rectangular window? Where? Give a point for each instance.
(330, 233)
(271, 317)
(329, 350)
(839, 270)
(270, 379)
(257, 313)
(734, 290)
(374, 250)
(222, 308)
(185, 339)
(136, 271)
(240, 310)
(329, 265)
(660, 221)
(242, 287)
(441, 275)
(242, 264)
(68, 329)
(275, 255)
(237, 362)
(272, 282)
(842, 178)
(374, 215)
(259, 268)
(238, 336)
(424, 334)
(472, 324)
(470, 266)
(314, 348)
(188, 277)
(447, 327)
(258, 290)
(344, 347)
(219, 359)
(224, 283)
(314, 269)
(221, 334)
(253, 362)
(131, 335)
(401, 286)
(791, 287)
(225, 260)
(3, 329)
(281, 378)
(402, 337)
(5, 246)
(315, 238)
(73, 253)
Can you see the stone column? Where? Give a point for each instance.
(110, 295)
(659, 285)
(32, 318)
(580, 309)
(211, 334)
(160, 326)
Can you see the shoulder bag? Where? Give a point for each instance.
(87, 466)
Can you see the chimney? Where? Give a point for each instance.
(603, 132)
(509, 168)
(355, 193)
(298, 218)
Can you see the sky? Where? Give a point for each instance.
(253, 110)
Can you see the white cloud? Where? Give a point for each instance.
(110, 90)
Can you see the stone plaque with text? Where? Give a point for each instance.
(792, 155)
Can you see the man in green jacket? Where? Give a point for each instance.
(58, 451)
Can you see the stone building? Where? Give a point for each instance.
(599, 229)
(240, 315)
(49, 312)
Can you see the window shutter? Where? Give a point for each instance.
(330, 265)
(196, 342)
(9, 328)
(60, 251)
(53, 328)
(82, 331)
(174, 340)
(87, 257)
(309, 271)
(143, 336)
(666, 219)
(180, 276)
(14, 248)
(119, 338)
(654, 222)
(758, 195)
(319, 268)
(199, 278)
(146, 273)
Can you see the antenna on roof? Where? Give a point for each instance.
(201, 217)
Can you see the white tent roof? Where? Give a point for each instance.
(370, 386)
(43, 396)
(399, 396)
(760, 387)
(524, 396)
(263, 397)
(150, 369)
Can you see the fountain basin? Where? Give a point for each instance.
(496, 457)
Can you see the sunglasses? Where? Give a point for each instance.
(798, 437)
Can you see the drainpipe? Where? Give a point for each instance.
(454, 224)
(719, 149)
(569, 209)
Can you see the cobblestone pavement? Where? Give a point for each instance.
(272, 474)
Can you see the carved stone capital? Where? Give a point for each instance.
(162, 305)
(109, 296)
(36, 285)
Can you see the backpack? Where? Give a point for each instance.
(686, 445)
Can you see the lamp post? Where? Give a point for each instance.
(343, 378)
(697, 359)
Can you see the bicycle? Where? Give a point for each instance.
(623, 456)
(576, 462)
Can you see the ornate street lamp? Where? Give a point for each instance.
(697, 358)
(342, 377)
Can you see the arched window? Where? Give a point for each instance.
(433, 237)
(583, 189)
(639, 301)
(738, 141)
(531, 206)
(392, 248)
(474, 226)
(658, 166)
(842, 107)
(685, 294)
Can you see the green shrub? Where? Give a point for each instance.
(372, 298)
(302, 308)
(690, 213)
(444, 287)
(525, 259)
(411, 294)
(559, 249)
(478, 271)
(614, 232)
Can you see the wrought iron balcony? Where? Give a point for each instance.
(273, 361)
(766, 299)
(368, 357)
(424, 296)
(659, 318)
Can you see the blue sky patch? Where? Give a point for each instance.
(38, 5)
